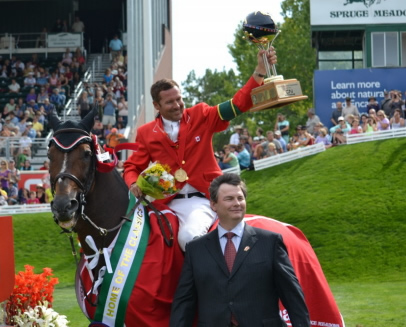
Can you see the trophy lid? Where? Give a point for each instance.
(260, 27)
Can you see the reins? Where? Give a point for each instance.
(163, 222)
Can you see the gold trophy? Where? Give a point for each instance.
(260, 29)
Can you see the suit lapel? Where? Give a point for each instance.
(213, 246)
(249, 238)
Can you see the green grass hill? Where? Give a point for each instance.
(349, 201)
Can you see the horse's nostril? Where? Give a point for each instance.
(74, 204)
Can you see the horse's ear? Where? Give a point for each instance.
(54, 121)
(88, 121)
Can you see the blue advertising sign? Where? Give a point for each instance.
(332, 86)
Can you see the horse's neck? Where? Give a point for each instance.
(106, 204)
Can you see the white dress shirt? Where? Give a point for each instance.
(237, 230)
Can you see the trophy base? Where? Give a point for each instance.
(276, 94)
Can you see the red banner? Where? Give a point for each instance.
(29, 179)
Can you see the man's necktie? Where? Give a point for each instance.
(229, 251)
(229, 255)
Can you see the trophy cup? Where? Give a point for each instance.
(260, 29)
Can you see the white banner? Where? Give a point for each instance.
(356, 12)
(65, 40)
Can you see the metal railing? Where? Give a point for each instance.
(11, 146)
(40, 42)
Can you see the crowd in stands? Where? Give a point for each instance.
(10, 194)
(243, 148)
(30, 89)
(110, 96)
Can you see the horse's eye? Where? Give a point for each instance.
(88, 153)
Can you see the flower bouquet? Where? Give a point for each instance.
(157, 182)
(31, 301)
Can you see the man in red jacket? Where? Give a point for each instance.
(182, 138)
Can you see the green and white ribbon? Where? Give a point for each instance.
(126, 261)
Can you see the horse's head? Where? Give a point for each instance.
(72, 167)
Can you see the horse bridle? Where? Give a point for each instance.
(85, 188)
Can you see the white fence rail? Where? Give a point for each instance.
(25, 208)
(289, 156)
(234, 170)
(375, 136)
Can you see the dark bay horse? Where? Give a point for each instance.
(92, 200)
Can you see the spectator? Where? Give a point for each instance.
(25, 143)
(258, 153)
(235, 137)
(294, 140)
(229, 160)
(15, 175)
(115, 46)
(30, 80)
(271, 150)
(23, 195)
(248, 136)
(385, 103)
(364, 118)
(79, 57)
(278, 136)
(270, 139)
(317, 128)
(9, 107)
(109, 111)
(243, 156)
(57, 100)
(395, 103)
(45, 166)
(108, 76)
(5, 175)
(98, 130)
(372, 104)
(37, 126)
(67, 57)
(397, 121)
(349, 108)
(31, 96)
(283, 126)
(3, 197)
(41, 193)
(13, 119)
(27, 165)
(340, 131)
(83, 105)
(33, 198)
(11, 127)
(383, 123)
(355, 127)
(114, 138)
(53, 79)
(14, 87)
(323, 138)
(338, 112)
(42, 95)
(57, 28)
(78, 26)
(122, 107)
(13, 194)
(305, 138)
(42, 40)
(312, 120)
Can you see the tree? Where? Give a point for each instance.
(297, 59)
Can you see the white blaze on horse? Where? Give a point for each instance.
(131, 263)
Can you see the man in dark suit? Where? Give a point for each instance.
(244, 291)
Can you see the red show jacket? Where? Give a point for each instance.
(194, 150)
